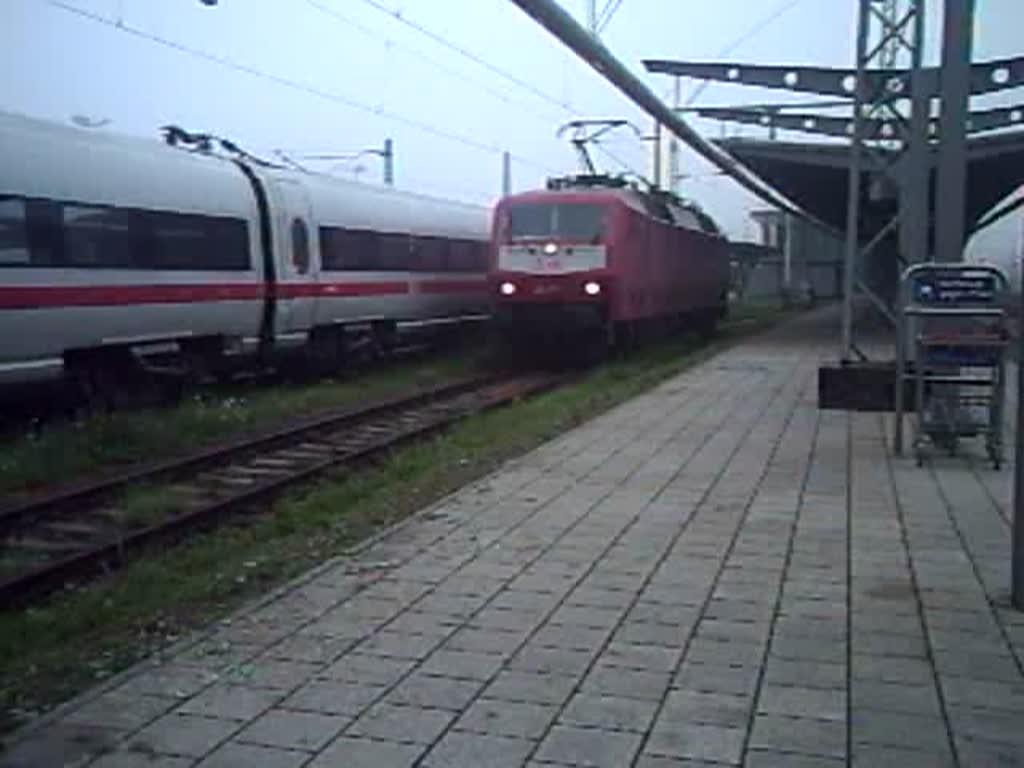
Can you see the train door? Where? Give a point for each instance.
(297, 266)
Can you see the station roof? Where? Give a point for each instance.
(815, 175)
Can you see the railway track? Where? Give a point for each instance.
(79, 532)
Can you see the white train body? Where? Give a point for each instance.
(117, 243)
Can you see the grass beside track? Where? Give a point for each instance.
(51, 652)
(65, 452)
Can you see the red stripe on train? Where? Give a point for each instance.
(454, 286)
(52, 296)
(307, 290)
(48, 296)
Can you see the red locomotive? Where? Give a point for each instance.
(595, 257)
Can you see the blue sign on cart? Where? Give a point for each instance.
(956, 287)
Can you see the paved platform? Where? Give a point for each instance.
(715, 573)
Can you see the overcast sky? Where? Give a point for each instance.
(315, 76)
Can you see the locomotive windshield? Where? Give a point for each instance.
(566, 221)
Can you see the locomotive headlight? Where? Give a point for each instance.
(507, 289)
(591, 288)
(550, 249)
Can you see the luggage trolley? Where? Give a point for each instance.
(954, 324)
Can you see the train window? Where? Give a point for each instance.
(394, 252)
(570, 221)
(85, 236)
(348, 249)
(14, 248)
(434, 254)
(300, 246)
(102, 237)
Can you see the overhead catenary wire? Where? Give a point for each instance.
(471, 56)
(605, 16)
(341, 18)
(312, 90)
(757, 28)
(565, 28)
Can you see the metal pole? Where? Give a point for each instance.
(673, 142)
(853, 186)
(389, 162)
(957, 33)
(657, 153)
(1017, 544)
(592, 16)
(506, 174)
(787, 258)
(913, 203)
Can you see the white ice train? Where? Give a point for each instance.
(115, 251)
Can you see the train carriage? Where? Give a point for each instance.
(117, 250)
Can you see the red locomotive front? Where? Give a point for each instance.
(597, 260)
(553, 262)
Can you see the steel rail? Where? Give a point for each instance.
(438, 411)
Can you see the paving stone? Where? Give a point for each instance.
(802, 735)
(333, 697)
(892, 669)
(896, 729)
(231, 702)
(760, 758)
(403, 724)
(399, 645)
(630, 683)
(609, 712)
(569, 638)
(422, 690)
(119, 710)
(502, 643)
(312, 649)
(507, 718)
(248, 755)
(895, 697)
(717, 678)
(140, 760)
(472, 750)
(651, 633)
(188, 735)
(274, 674)
(876, 756)
(999, 695)
(368, 669)
(464, 665)
(169, 680)
(285, 728)
(510, 685)
(558, 661)
(569, 745)
(810, 674)
(982, 666)
(586, 616)
(363, 753)
(713, 743)
(721, 709)
(714, 653)
(508, 620)
(647, 657)
(796, 701)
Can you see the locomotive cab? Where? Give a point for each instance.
(552, 263)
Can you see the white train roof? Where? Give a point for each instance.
(45, 159)
(362, 206)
